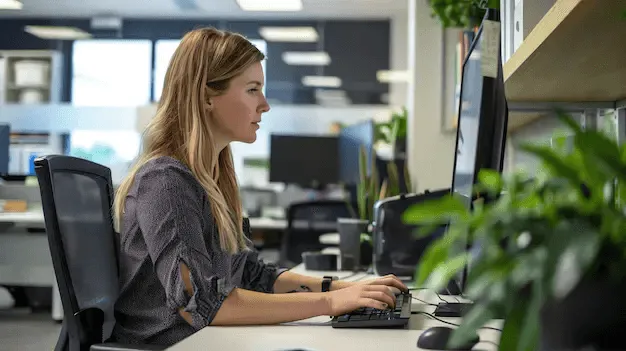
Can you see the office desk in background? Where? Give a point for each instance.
(326, 338)
(25, 256)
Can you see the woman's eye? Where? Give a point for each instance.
(253, 90)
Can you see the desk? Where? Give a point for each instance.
(325, 338)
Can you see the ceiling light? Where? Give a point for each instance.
(392, 76)
(60, 33)
(270, 5)
(10, 5)
(321, 81)
(289, 34)
(312, 58)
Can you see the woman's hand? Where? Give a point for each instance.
(360, 295)
(390, 281)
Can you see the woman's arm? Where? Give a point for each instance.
(294, 282)
(245, 307)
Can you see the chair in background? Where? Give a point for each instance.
(77, 197)
(306, 221)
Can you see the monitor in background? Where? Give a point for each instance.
(5, 144)
(308, 161)
(481, 132)
(351, 139)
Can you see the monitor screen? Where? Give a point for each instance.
(482, 124)
(351, 139)
(308, 161)
(468, 124)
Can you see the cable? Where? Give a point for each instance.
(449, 323)
(424, 302)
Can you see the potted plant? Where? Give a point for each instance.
(393, 132)
(552, 248)
(465, 14)
(354, 232)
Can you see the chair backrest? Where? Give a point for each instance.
(306, 221)
(77, 197)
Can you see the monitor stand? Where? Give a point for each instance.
(451, 309)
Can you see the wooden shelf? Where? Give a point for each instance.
(576, 53)
(519, 119)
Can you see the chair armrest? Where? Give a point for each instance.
(110, 346)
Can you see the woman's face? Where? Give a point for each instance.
(237, 113)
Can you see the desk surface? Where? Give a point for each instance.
(324, 337)
(36, 216)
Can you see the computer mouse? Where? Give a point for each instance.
(436, 338)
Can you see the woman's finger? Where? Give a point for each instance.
(380, 296)
(367, 302)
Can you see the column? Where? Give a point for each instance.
(430, 149)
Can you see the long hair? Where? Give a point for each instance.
(202, 66)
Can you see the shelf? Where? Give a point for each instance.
(519, 119)
(576, 53)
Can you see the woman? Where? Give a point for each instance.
(185, 261)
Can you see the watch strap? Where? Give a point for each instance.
(327, 281)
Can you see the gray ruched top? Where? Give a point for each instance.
(167, 221)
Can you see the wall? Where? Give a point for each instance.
(284, 81)
(430, 152)
(399, 57)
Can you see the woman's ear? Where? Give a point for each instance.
(209, 105)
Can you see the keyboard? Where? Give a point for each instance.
(375, 318)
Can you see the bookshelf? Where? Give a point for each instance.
(574, 55)
(30, 77)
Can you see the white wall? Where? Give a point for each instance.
(431, 152)
(399, 57)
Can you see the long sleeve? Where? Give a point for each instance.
(169, 207)
(258, 275)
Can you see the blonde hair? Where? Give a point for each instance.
(202, 67)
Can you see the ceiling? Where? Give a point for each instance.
(228, 9)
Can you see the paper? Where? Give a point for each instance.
(490, 47)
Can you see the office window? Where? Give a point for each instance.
(164, 50)
(111, 72)
(114, 149)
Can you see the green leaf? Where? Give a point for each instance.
(435, 255)
(572, 248)
(554, 162)
(436, 211)
(443, 272)
(491, 180)
(569, 121)
(475, 318)
(529, 333)
(513, 323)
(601, 153)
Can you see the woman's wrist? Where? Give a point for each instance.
(340, 284)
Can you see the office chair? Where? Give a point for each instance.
(306, 221)
(77, 197)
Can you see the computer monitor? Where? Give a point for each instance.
(5, 144)
(308, 161)
(483, 116)
(351, 139)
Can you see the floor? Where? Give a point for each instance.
(21, 330)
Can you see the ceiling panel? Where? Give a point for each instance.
(205, 9)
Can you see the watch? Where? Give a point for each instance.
(326, 282)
